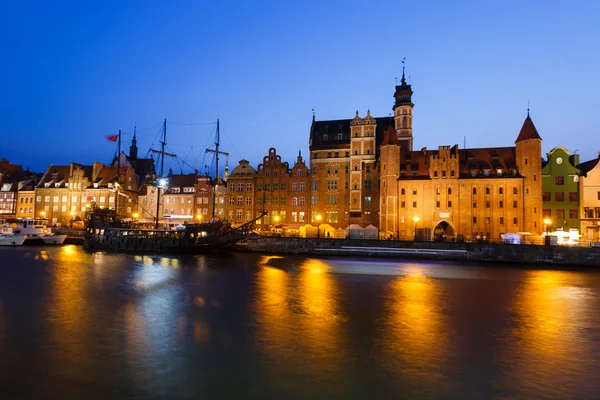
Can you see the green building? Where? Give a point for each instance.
(560, 191)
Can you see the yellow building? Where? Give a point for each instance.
(364, 171)
(240, 198)
(64, 192)
(455, 194)
(589, 190)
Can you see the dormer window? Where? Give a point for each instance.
(339, 136)
(325, 137)
(47, 184)
(110, 185)
(499, 172)
(96, 184)
(473, 172)
(57, 184)
(486, 172)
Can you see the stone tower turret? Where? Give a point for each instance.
(403, 108)
(529, 164)
(389, 173)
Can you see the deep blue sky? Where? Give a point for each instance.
(74, 72)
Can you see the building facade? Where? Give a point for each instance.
(364, 171)
(65, 192)
(560, 187)
(589, 190)
(241, 196)
(282, 193)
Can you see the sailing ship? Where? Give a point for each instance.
(105, 231)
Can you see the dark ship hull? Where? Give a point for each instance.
(156, 241)
(104, 232)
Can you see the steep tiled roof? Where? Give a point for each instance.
(528, 131)
(333, 127)
(587, 166)
(390, 137)
(415, 164)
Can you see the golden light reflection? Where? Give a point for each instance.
(298, 314)
(546, 345)
(415, 336)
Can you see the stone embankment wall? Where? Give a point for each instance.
(503, 253)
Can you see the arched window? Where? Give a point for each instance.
(449, 190)
(501, 191)
(487, 190)
(514, 190)
(474, 190)
(403, 192)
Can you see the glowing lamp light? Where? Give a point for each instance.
(199, 216)
(136, 215)
(416, 219)
(72, 213)
(319, 217)
(162, 183)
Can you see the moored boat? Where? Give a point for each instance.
(103, 231)
(8, 237)
(37, 232)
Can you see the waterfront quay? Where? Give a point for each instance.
(483, 252)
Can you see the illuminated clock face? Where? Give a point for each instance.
(559, 160)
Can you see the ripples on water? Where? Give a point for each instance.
(81, 325)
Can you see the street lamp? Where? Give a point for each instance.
(547, 223)
(136, 215)
(276, 218)
(416, 219)
(43, 214)
(318, 225)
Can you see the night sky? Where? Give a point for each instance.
(74, 72)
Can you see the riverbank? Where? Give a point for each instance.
(486, 252)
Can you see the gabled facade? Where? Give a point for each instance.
(560, 187)
(282, 192)
(240, 200)
(64, 192)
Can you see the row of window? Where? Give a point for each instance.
(296, 187)
(26, 200)
(74, 199)
(559, 213)
(488, 220)
(560, 196)
(275, 174)
(438, 204)
(296, 201)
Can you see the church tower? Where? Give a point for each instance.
(403, 108)
(389, 173)
(133, 150)
(529, 163)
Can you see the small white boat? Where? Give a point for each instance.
(37, 231)
(8, 237)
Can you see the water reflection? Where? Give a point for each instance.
(299, 320)
(415, 334)
(547, 344)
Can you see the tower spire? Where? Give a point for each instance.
(403, 78)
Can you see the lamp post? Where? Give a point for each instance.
(276, 218)
(318, 225)
(43, 214)
(547, 223)
(416, 219)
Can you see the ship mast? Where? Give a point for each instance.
(160, 183)
(118, 178)
(217, 152)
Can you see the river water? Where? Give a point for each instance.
(80, 325)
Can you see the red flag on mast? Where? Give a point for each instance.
(113, 138)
